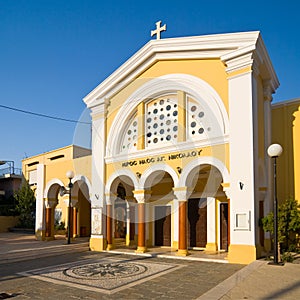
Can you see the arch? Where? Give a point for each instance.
(196, 87)
(121, 173)
(205, 160)
(84, 179)
(158, 167)
(50, 184)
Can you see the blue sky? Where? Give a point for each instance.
(54, 52)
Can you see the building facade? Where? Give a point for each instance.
(179, 142)
(179, 152)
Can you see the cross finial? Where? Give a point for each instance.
(158, 30)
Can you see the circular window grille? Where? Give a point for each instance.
(196, 120)
(162, 129)
(130, 138)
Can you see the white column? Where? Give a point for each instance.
(39, 218)
(211, 224)
(97, 241)
(241, 158)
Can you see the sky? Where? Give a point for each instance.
(54, 52)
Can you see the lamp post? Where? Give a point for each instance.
(70, 175)
(275, 151)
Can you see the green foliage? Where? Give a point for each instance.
(287, 257)
(288, 223)
(25, 206)
(60, 225)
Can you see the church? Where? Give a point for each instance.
(178, 159)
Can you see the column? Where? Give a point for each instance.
(97, 193)
(48, 222)
(109, 230)
(39, 211)
(75, 231)
(141, 196)
(182, 196)
(130, 220)
(49, 218)
(211, 244)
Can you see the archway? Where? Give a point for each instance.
(81, 209)
(51, 201)
(159, 207)
(120, 211)
(208, 217)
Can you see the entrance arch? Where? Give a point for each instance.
(81, 207)
(51, 200)
(208, 216)
(160, 204)
(120, 209)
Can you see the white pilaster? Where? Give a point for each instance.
(242, 189)
(98, 169)
(211, 220)
(39, 223)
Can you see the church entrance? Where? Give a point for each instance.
(162, 225)
(224, 226)
(120, 213)
(197, 218)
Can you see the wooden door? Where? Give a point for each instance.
(224, 226)
(197, 217)
(162, 225)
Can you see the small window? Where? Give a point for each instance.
(57, 157)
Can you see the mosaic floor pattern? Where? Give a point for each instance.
(107, 275)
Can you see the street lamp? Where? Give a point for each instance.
(275, 151)
(70, 175)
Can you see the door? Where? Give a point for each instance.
(224, 226)
(197, 217)
(162, 225)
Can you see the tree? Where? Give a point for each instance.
(288, 224)
(25, 206)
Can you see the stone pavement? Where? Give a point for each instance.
(44, 270)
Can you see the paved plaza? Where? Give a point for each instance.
(63, 271)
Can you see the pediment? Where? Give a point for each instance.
(226, 47)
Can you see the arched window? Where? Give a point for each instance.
(161, 121)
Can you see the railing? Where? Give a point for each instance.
(10, 171)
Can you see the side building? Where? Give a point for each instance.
(46, 174)
(286, 131)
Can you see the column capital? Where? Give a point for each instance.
(142, 196)
(182, 193)
(74, 202)
(110, 198)
(50, 203)
(226, 189)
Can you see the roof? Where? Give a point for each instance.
(227, 47)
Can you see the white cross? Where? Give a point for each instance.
(158, 30)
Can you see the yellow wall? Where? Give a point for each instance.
(137, 165)
(7, 221)
(286, 131)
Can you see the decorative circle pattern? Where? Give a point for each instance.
(106, 270)
(166, 111)
(196, 120)
(130, 138)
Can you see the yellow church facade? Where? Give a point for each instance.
(179, 160)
